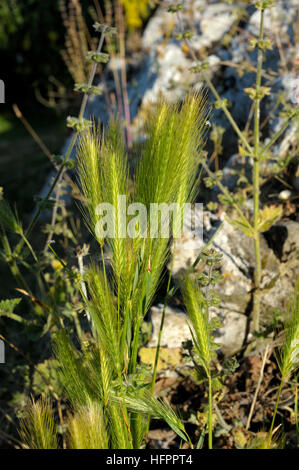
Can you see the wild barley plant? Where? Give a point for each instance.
(38, 430)
(288, 353)
(196, 307)
(109, 391)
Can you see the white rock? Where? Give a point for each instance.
(215, 21)
(278, 17)
(285, 194)
(176, 329)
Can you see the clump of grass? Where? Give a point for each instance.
(86, 429)
(197, 302)
(37, 427)
(198, 315)
(288, 353)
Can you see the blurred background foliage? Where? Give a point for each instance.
(33, 35)
(42, 47)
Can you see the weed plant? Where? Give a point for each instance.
(263, 218)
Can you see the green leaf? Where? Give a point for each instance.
(7, 307)
(202, 437)
(268, 216)
(243, 225)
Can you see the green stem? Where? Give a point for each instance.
(159, 345)
(227, 113)
(134, 351)
(296, 413)
(275, 412)
(225, 192)
(46, 198)
(77, 325)
(216, 94)
(12, 263)
(141, 311)
(256, 185)
(30, 248)
(160, 334)
(210, 417)
(91, 78)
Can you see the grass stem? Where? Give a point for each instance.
(256, 183)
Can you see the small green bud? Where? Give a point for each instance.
(195, 69)
(98, 57)
(78, 124)
(209, 182)
(104, 28)
(259, 93)
(70, 164)
(263, 44)
(179, 36)
(188, 34)
(220, 104)
(85, 88)
(58, 159)
(264, 4)
(175, 7)
(200, 67)
(212, 206)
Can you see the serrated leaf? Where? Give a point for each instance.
(7, 306)
(243, 225)
(268, 216)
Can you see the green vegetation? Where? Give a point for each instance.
(75, 310)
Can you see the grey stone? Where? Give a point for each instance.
(176, 329)
(238, 262)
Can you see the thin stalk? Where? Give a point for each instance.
(134, 350)
(46, 198)
(127, 317)
(123, 72)
(256, 185)
(275, 412)
(91, 78)
(11, 261)
(224, 191)
(53, 219)
(32, 132)
(113, 55)
(227, 113)
(158, 345)
(210, 416)
(296, 413)
(257, 388)
(216, 94)
(160, 335)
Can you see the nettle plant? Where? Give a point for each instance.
(250, 145)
